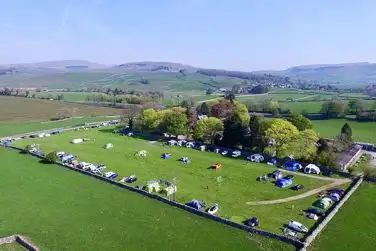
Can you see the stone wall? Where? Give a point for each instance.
(21, 240)
(333, 212)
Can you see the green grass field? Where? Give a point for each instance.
(353, 227)
(16, 109)
(362, 131)
(13, 128)
(59, 209)
(195, 180)
(12, 247)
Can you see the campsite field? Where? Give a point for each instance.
(15, 109)
(232, 186)
(361, 131)
(352, 228)
(63, 210)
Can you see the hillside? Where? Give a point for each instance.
(78, 74)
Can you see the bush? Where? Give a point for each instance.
(370, 172)
(51, 157)
(28, 148)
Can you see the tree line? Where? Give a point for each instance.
(228, 123)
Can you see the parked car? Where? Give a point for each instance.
(297, 226)
(252, 222)
(297, 187)
(340, 192)
(316, 211)
(110, 175)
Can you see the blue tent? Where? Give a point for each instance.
(293, 166)
(166, 156)
(195, 204)
(272, 162)
(284, 182)
(7, 143)
(67, 158)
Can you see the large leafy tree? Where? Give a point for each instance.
(355, 106)
(176, 122)
(150, 119)
(280, 134)
(301, 122)
(258, 126)
(207, 129)
(222, 109)
(204, 108)
(304, 146)
(241, 111)
(333, 109)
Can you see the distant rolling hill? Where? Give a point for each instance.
(169, 76)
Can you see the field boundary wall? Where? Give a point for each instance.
(310, 238)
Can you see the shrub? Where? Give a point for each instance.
(51, 157)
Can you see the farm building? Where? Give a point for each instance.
(293, 166)
(312, 168)
(323, 203)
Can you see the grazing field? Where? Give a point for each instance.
(353, 227)
(68, 96)
(232, 186)
(59, 209)
(14, 109)
(361, 131)
(12, 247)
(13, 128)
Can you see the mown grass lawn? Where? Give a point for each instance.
(13, 128)
(353, 227)
(12, 247)
(361, 131)
(231, 186)
(64, 210)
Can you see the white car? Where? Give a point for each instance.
(297, 226)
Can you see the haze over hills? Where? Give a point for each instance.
(80, 72)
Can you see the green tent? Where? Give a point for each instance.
(323, 203)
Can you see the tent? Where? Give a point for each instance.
(66, 158)
(77, 141)
(276, 174)
(153, 186)
(283, 182)
(185, 160)
(142, 153)
(196, 204)
(170, 190)
(272, 162)
(108, 145)
(216, 166)
(166, 156)
(202, 148)
(236, 154)
(256, 158)
(312, 168)
(323, 203)
(172, 142)
(293, 166)
(190, 144)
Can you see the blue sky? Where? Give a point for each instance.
(238, 34)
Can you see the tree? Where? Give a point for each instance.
(52, 157)
(280, 133)
(230, 96)
(191, 113)
(222, 109)
(204, 108)
(346, 133)
(176, 122)
(257, 126)
(131, 113)
(304, 146)
(209, 91)
(301, 122)
(355, 106)
(333, 109)
(188, 103)
(149, 119)
(235, 89)
(207, 129)
(234, 132)
(241, 111)
(28, 148)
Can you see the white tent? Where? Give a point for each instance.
(312, 168)
(202, 148)
(172, 142)
(142, 153)
(77, 141)
(108, 145)
(153, 186)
